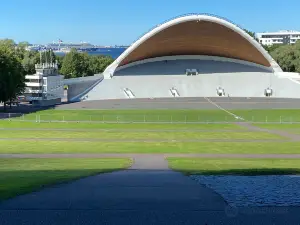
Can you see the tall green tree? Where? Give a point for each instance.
(97, 64)
(46, 57)
(29, 61)
(23, 44)
(285, 56)
(7, 43)
(75, 64)
(11, 74)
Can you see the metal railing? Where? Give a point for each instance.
(148, 118)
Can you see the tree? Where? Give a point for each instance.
(46, 57)
(296, 61)
(59, 60)
(7, 43)
(11, 74)
(29, 62)
(97, 64)
(271, 48)
(75, 64)
(23, 44)
(285, 57)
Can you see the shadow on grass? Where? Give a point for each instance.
(14, 183)
(242, 172)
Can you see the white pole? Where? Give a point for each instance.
(280, 120)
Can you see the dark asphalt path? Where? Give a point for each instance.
(148, 193)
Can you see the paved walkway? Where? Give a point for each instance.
(148, 193)
(282, 133)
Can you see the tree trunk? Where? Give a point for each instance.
(4, 107)
(10, 103)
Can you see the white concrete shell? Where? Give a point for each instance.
(109, 72)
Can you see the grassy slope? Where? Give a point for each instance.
(235, 166)
(270, 115)
(19, 176)
(166, 115)
(17, 124)
(132, 115)
(144, 135)
(147, 147)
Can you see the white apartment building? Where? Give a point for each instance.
(46, 86)
(280, 37)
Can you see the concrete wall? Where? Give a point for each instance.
(247, 84)
(76, 90)
(178, 67)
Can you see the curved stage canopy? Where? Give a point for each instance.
(195, 35)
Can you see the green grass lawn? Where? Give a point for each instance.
(284, 115)
(19, 176)
(131, 115)
(235, 166)
(147, 147)
(94, 126)
(269, 115)
(142, 135)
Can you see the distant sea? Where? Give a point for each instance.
(113, 52)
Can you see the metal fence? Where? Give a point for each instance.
(180, 119)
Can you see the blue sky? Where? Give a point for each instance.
(122, 21)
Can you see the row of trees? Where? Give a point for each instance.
(72, 65)
(76, 64)
(287, 56)
(16, 62)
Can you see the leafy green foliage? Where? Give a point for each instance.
(271, 48)
(75, 65)
(287, 56)
(97, 64)
(11, 72)
(252, 34)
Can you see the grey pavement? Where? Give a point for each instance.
(187, 103)
(282, 133)
(148, 193)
